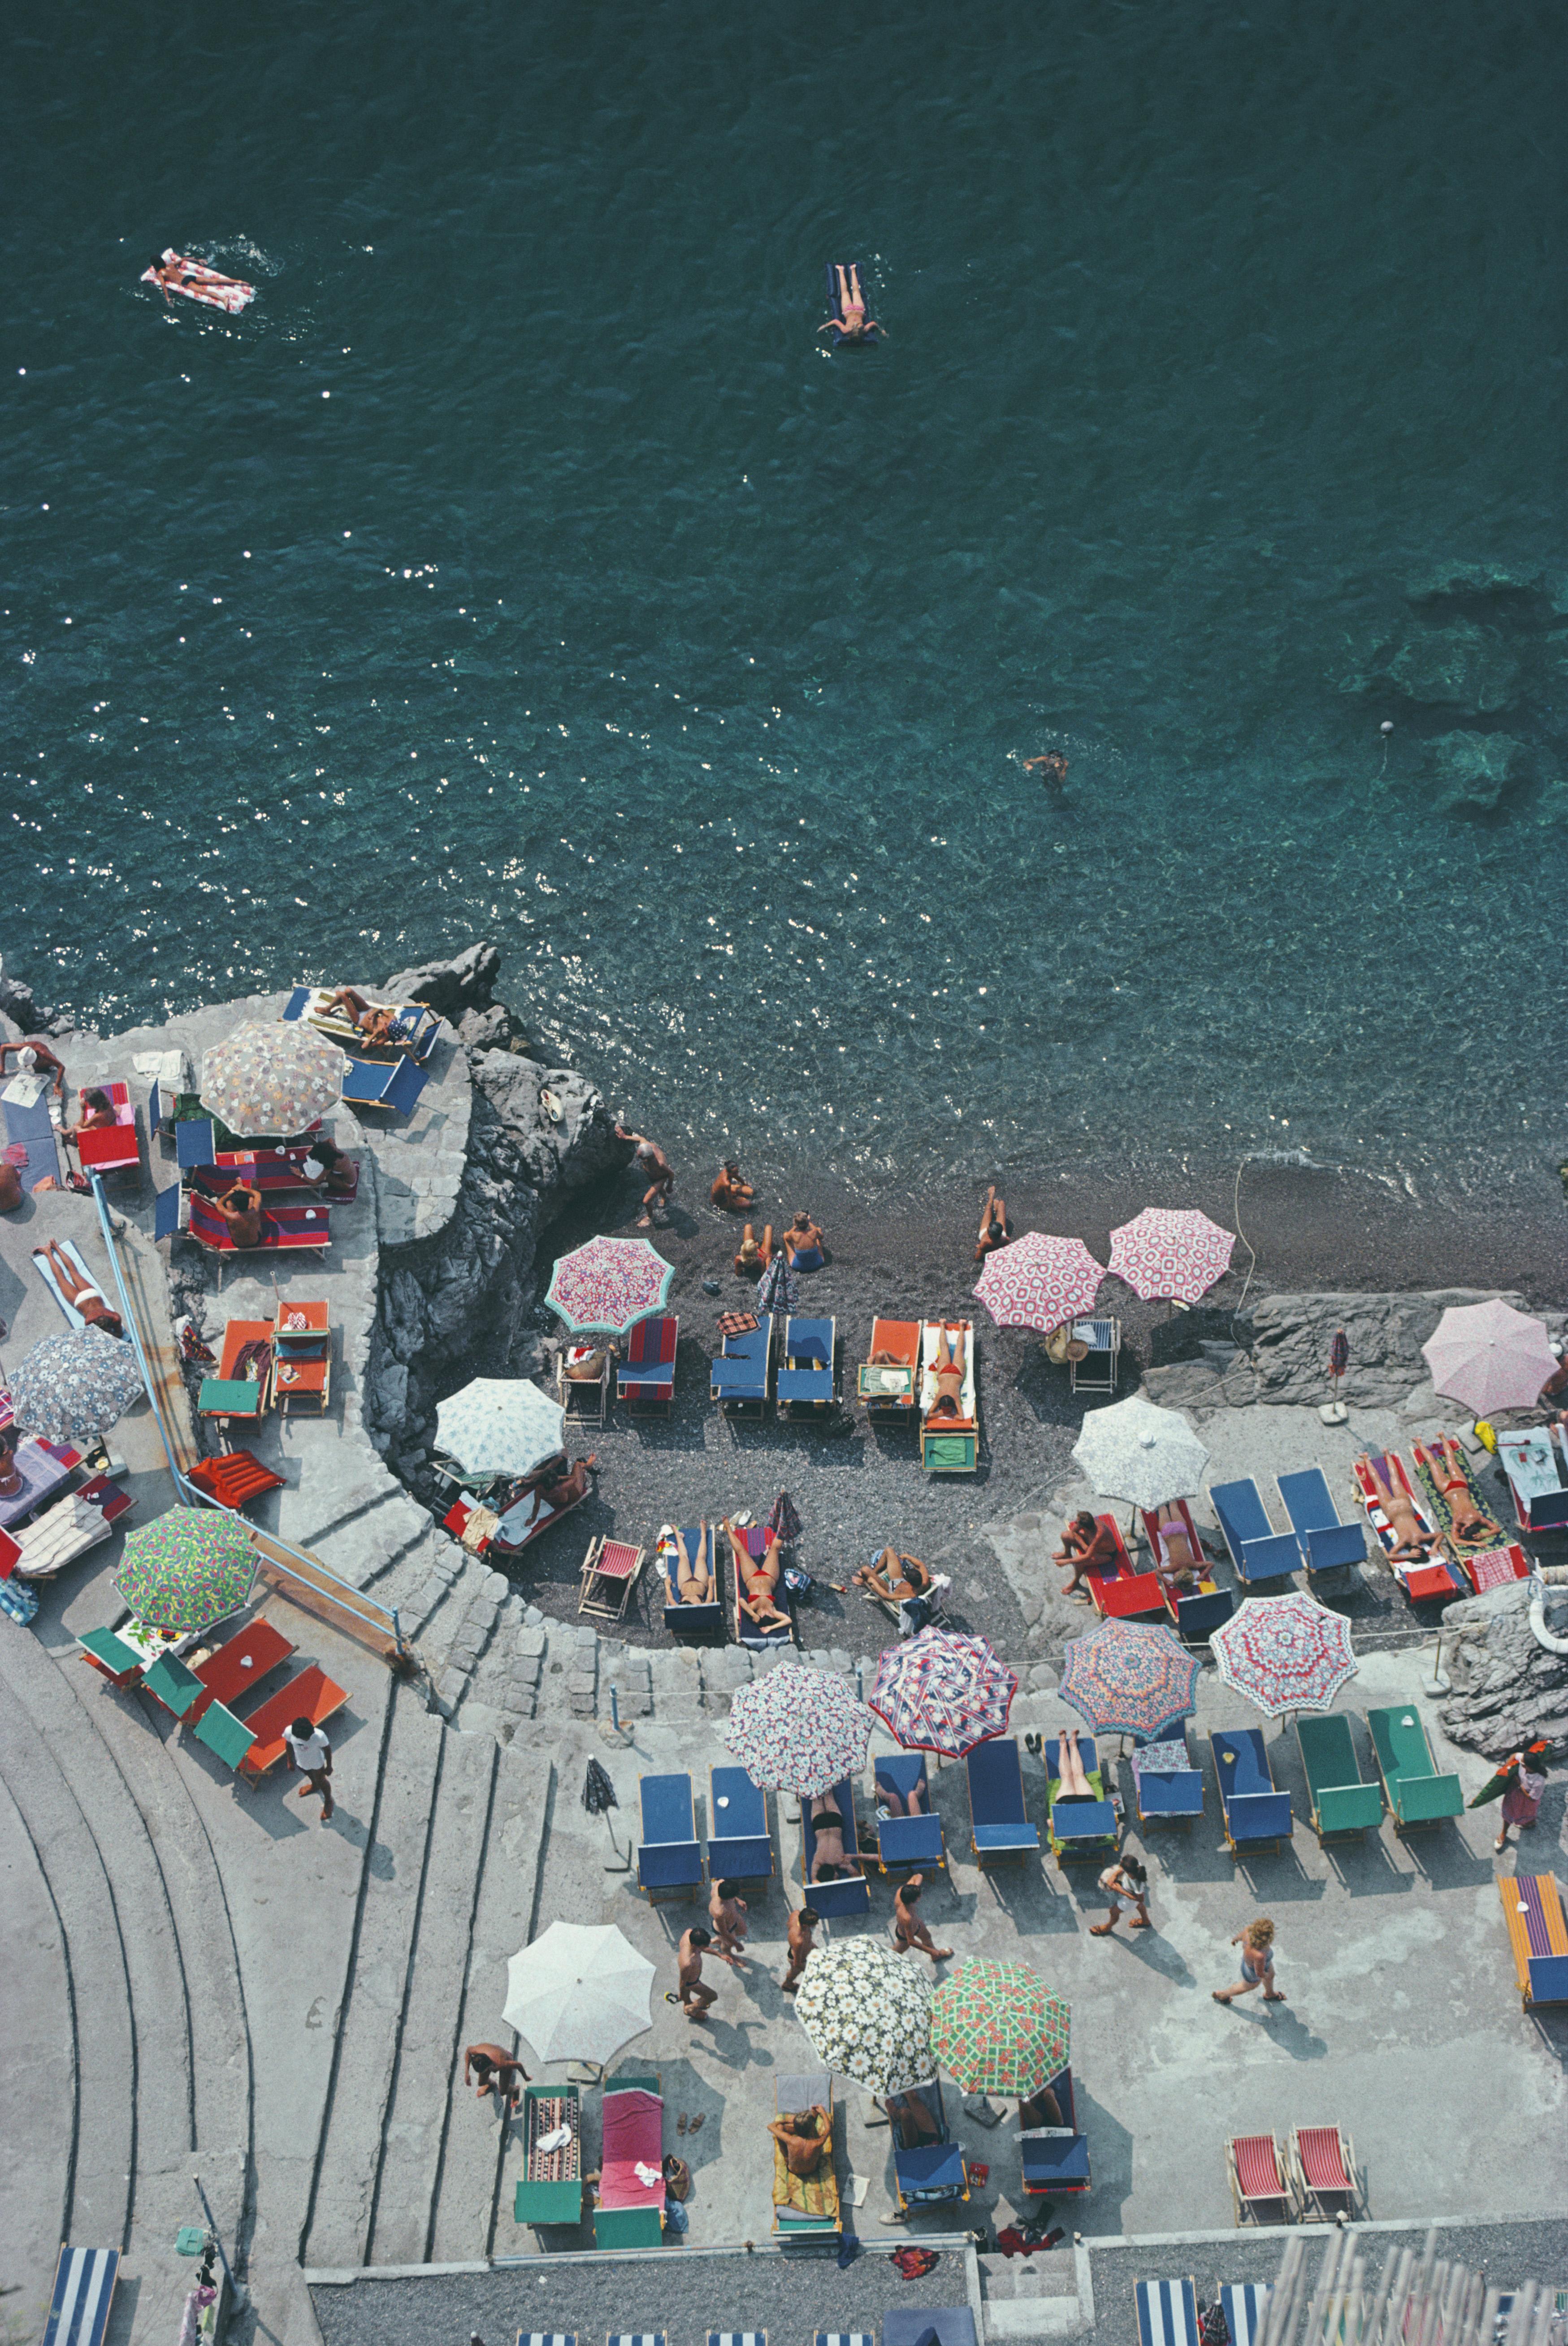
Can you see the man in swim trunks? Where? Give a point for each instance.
(1052, 766)
(802, 2135)
(731, 1192)
(910, 1931)
(242, 1210)
(34, 1058)
(893, 1577)
(648, 1155)
(992, 1226)
(803, 1244)
(852, 323)
(693, 1579)
(756, 1578)
(1412, 1543)
(947, 1376)
(1088, 1546)
(375, 1022)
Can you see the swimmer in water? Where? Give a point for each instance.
(1053, 767)
(852, 323)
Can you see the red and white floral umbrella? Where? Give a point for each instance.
(1174, 1252)
(1284, 1653)
(1039, 1282)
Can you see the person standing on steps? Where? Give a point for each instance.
(1256, 1945)
(803, 1921)
(307, 1750)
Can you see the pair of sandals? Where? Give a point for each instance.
(685, 2124)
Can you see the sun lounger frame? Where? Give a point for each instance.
(902, 1337)
(1001, 1814)
(1418, 1799)
(647, 1384)
(1054, 2160)
(1344, 1806)
(1273, 1816)
(1316, 2201)
(1096, 1371)
(1196, 1613)
(595, 1391)
(556, 2199)
(1186, 1788)
(614, 1563)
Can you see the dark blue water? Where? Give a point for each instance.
(522, 562)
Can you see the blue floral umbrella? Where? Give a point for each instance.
(75, 1385)
(943, 1692)
(798, 1730)
(603, 1288)
(499, 1425)
(1128, 1679)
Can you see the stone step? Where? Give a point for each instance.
(38, 2071)
(102, 2137)
(348, 2155)
(467, 2215)
(430, 2050)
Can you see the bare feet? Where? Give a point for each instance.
(1220, 1996)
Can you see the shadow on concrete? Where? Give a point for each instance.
(1110, 2159)
(1367, 1868)
(1291, 2033)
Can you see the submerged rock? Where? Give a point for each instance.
(1506, 1686)
(1460, 667)
(1475, 771)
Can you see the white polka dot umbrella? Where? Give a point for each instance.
(1142, 1455)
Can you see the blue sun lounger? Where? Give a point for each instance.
(739, 1379)
(847, 1894)
(1167, 1796)
(83, 2293)
(1255, 1815)
(804, 1385)
(928, 2165)
(1328, 1544)
(1257, 1550)
(999, 1821)
(1077, 1828)
(914, 1841)
(1055, 2159)
(690, 1619)
(739, 1848)
(669, 1862)
(1167, 2313)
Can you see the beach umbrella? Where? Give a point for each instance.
(798, 1730)
(1170, 1252)
(1284, 1653)
(1129, 1678)
(1490, 1356)
(578, 1993)
(499, 1425)
(601, 1287)
(1135, 1452)
(188, 1568)
(75, 1385)
(281, 1078)
(868, 2014)
(1039, 1282)
(943, 1692)
(997, 2028)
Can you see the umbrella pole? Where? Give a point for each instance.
(625, 1866)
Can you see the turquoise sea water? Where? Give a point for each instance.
(522, 562)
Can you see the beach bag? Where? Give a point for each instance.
(799, 1582)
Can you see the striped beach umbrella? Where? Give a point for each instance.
(798, 1730)
(1039, 1282)
(189, 1568)
(997, 2028)
(868, 2014)
(1172, 1252)
(943, 1692)
(1284, 1653)
(603, 1288)
(75, 1385)
(1129, 1677)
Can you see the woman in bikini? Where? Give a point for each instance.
(756, 1578)
(375, 1022)
(693, 1576)
(828, 1830)
(80, 1293)
(947, 1376)
(1174, 1558)
(1412, 1543)
(893, 1577)
(1073, 1779)
(1470, 1523)
(851, 322)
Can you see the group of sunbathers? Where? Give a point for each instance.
(1089, 1545)
(801, 1244)
(1415, 1541)
(756, 1578)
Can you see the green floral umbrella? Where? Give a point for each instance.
(996, 2028)
(192, 1568)
(868, 2014)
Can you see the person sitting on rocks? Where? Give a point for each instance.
(1412, 1542)
(731, 1192)
(1088, 1546)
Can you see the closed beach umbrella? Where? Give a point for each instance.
(601, 1289)
(189, 1568)
(578, 1993)
(1039, 1282)
(1489, 1356)
(943, 1692)
(1144, 1455)
(277, 1077)
(75, 1385)
(798, 1730)
(499, 1425)
(1129, 1678)
(868, 2014)
(1171, 1251)
(1284, 1653)
(997, 2028)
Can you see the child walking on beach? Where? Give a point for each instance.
(1256, 1945)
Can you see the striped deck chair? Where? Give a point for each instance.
(1243, 2305)
(1167, 2312)
(635, 2338)
(738, 2338)
(1321, 2164)
(1532, 1912)
(546, 2337)
(83, 2293)
(610, 1572)
(843, 2338)
(1259, 2192)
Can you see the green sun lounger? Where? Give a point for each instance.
(1417, 1794)
(1342, 1807)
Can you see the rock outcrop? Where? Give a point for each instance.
(1506, 1686)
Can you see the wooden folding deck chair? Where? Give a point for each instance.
(610, 1572)
(1321, 2164)
(1259, 2187)
(586, 1397)
(1533, 1912)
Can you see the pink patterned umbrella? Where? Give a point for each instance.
(601, 1287)
(1490, 1356)
(1039, 1282)
(1284, 1653)
(1175, 1253)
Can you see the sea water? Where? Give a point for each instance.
(525, 563)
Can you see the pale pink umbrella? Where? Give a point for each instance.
(1490, 1356)
(1173, 1252)
(1039, 1282)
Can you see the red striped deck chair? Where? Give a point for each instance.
(1259, 2192)
(1321, 2164)
(610, 1571)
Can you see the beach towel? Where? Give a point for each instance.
(1445, 1455)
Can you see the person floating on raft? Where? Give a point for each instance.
(172, 272)
(851, 323)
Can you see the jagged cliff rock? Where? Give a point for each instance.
(1506, 1686)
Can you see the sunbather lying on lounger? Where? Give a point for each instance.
(1087, 1546)
(731, 1191)
(893, 1577)
(693, 1579)
(242, 1210)
(756, 1578)
(1412, 1542)
(1040, 2109)
(375, 1021)
(1444, 1463)
(80, 1292)
(34, 1058)
(828, 1827)
(801, 2135)
(1075, 1784)
(1174, 1558)
(948, 1375)
(992, 1226)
